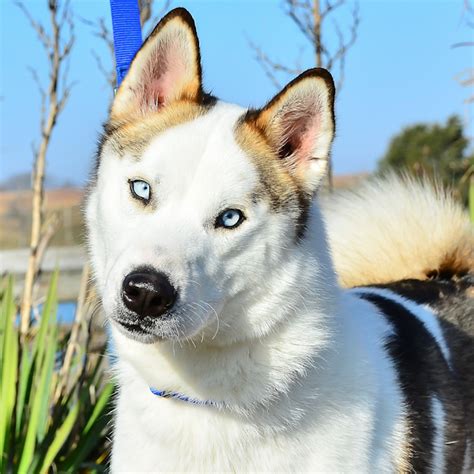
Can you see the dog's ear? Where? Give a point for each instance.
(298, 123)
(166, 69)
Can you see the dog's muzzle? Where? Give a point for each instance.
(148, 293)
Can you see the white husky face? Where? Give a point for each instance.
(195, 203)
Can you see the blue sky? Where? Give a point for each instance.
(400, 71)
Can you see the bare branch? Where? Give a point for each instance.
(146, 7)
(37, 27)
(331, 7)
(47, 233)
(150, 23)
(36, 79)
(271, 67)
(73, 344)
(344, 46)
(466, 77)
(109, 74)
(300, 13)
(462, 44)
(66, 50)
(58, 44)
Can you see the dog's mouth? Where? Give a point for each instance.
(136, 330)
(176, 324)
(145, 329)
(132, 327)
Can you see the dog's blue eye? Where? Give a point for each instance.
(230, 218)
(140, 189)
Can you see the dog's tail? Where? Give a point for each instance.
(393, 228)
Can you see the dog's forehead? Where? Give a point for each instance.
(207, 153)
(203, 148)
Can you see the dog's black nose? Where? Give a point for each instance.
(148, 293)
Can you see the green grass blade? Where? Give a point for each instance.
(40, 432)
(50, 303)
(38, 401)
(3, 321)
(49, 387)
(24, 387)
(58, 417)
(92, 432)
(9, 370)
(99, 406)
(44, 353)
(60, 437)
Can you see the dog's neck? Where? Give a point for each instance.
(240, 376)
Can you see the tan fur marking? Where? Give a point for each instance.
(133, 136)
(403, 463)
(395, 229)
(459, 262)
(277, 183)
(283, 191)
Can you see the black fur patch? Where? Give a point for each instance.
(423, 373)
(453, 302)
(434, 292)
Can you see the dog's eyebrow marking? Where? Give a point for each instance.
(132, 136)
(283, 191)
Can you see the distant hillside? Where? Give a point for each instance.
(344, 181)
(22, 182)
(15, 216)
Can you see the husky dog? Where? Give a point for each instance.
(238, 350)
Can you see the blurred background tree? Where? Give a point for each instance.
(435, 150)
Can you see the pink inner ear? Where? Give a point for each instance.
(300, 131)
(162, 76)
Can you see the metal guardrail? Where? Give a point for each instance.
(67, 259)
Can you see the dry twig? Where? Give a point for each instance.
(310, 17)
(74, 338)
(57, 43)
(466, 78)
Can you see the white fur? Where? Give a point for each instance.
(467, 458)
(299, 363)
(439, 420)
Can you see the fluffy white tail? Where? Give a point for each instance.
(396, 228)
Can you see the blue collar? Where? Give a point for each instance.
(185, 398)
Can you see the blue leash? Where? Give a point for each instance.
(127, 34)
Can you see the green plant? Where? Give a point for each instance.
(50, 420)
(440, 151)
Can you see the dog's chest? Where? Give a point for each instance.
(153, 434)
